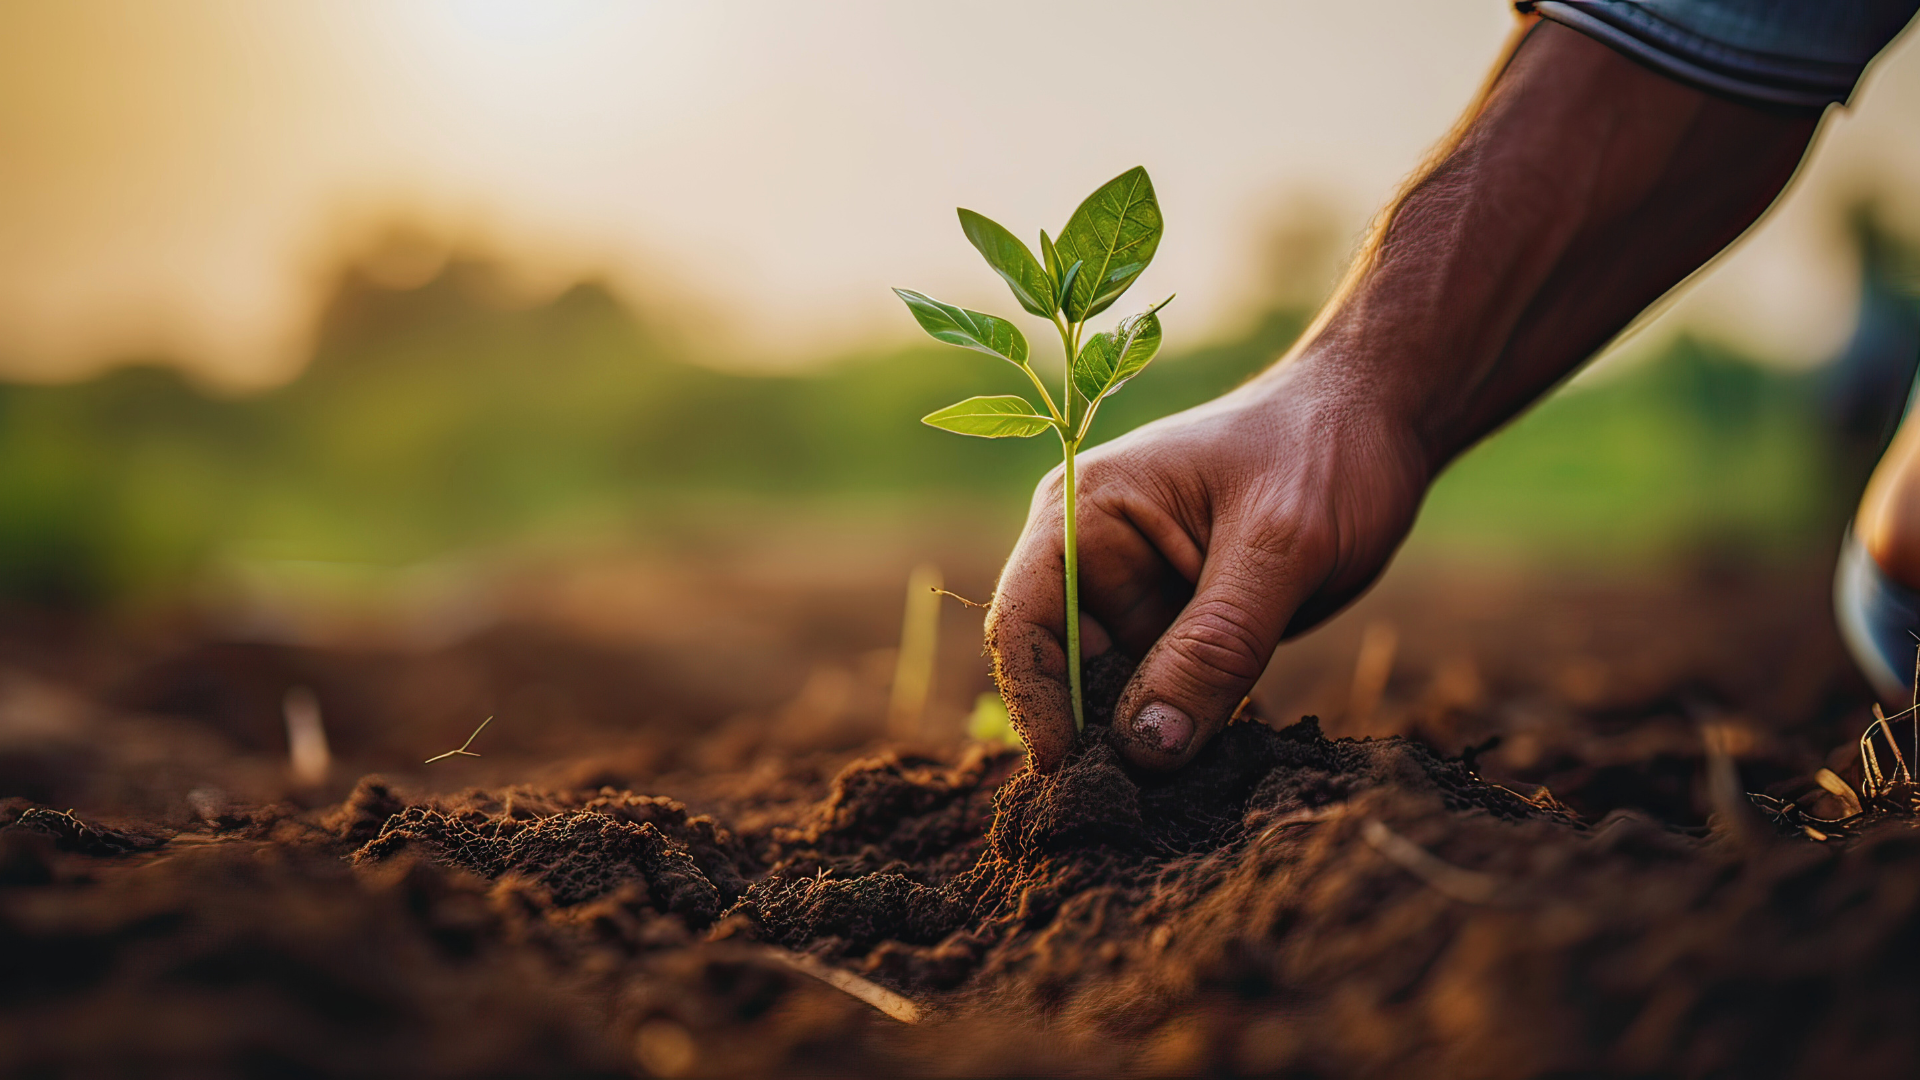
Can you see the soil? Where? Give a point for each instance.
(1520, 867)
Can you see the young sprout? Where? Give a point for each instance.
(1108, 241)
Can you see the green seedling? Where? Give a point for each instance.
(1108, 241)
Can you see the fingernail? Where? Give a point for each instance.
(1164, 726)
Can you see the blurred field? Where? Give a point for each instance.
(437, 427)
(467, 505)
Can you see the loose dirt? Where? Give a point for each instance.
(1290, 904)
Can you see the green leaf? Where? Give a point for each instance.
(1115, 232)
(1031, 284)
(1052, 256)
(1066, 282)
(967, 329)
(1107, 360)
(999, 416)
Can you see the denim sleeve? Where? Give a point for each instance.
(1803, 54)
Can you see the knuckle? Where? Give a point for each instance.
(1048, 495)
(1221, 637)
(1285, 542)
(1280, 531)
(1100, 471)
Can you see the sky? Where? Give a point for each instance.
(182, 179)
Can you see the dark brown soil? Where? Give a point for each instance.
(1290, 904)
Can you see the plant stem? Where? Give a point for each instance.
(1069, 443)
(1045, 398)
(1073, 586)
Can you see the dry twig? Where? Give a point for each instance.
(463, 746)
(962, 599)
(1888, 784)
(895, 1005)
(1453, 882)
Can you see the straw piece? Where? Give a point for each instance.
(308, 757)
(900, 1008)
(1839, 789)
(1454, 882)
(463, 751)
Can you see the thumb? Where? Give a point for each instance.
(1196, 675)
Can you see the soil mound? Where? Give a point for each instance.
(925, 873)
(1290, 905)
(1093, 836)
(575, 856)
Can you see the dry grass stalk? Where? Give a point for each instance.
(1372, 667)
(1888, 787)
(1733, 813)
(1453, 882)
(895, 1005)
(463, 746)
(1839, 789)
(919, 648)
(308, 756)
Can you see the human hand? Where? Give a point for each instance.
(1205, 538)
(1580, 187)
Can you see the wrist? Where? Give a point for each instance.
(1354, 382)
(1336, 392)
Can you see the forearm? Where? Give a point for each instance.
(1584, 187)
